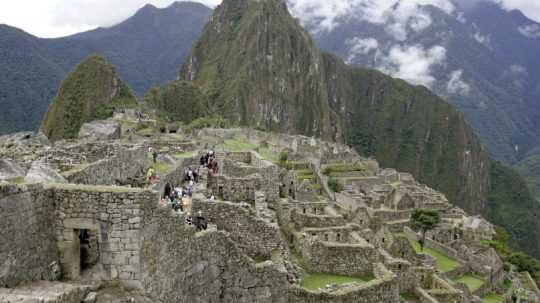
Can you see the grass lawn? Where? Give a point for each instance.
(237, 145)
(316, 281)
(161, 168)
(444, 262)
(492, 298)
(269, 155)
(183, 155)
(473, 282)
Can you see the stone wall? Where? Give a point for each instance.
(243, 164)
(310, 220)
(114, 214)
(122, 168)
(254, 236)
(382, 289)
(342, 259)
(232, 189)
(182, 265)
(28, 250)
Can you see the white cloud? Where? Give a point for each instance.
(456, 85)
(518, 69)
(359, 46)
(484, 40)
(413, 64)
(531, 8)
(397, 15)
(56, 18)
(530, 31)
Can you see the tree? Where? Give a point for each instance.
(425, 220)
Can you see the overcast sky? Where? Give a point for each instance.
(55, 18)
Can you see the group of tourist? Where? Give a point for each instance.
(209, 161)
(179, 198)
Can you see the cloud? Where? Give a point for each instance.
(530, 31)
(456, 85)
(358, 47)
(413, 64)
(57, 18)
(484, 40)
(531, 8)
(398, 16)
(518, 69)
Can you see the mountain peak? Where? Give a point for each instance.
(89, 93)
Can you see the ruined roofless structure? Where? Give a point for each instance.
(79, 221)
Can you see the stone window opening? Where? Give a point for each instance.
(338, 237)
(304, 210)
(383, 240)
(399, 266)
(326, 237)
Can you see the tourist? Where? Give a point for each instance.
(200, 222)
(150, 175)
(212, 198)
(168, 189)
(154, 155)
(190, 191)
(189, 220)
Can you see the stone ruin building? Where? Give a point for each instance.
(80, 223)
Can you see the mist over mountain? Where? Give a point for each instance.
(146, 48)
(477, 55)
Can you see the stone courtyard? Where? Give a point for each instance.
(275, 225)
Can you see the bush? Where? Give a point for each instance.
(335, 185)
(283, 157)
(208, 122)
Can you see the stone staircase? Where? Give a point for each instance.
(45, 292)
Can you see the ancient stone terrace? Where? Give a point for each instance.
(286, 208)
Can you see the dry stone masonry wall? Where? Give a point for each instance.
(28, 249)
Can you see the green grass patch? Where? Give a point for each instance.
(161, 168)
(237, 145)
(473, 282)
(16, 180)
(342, 168)
(409, 296)
(269, 155)
(492, 298)
(183, 155)
(316, 281)
(444, 262)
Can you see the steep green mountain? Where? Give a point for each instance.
(488, 67)
(178, 101)
(529, 168)
(261, 69)
(147, 49)
(91, 92)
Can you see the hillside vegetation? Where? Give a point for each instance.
(91, 92)
(259, 68)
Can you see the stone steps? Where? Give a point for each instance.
(45, 292)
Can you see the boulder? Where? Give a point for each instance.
(101, 130)
(25, 139)
(10, 170)
(41, 172)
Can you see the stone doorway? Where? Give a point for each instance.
(88, 249)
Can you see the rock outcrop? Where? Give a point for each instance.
(101, 130)
(10, 170)
(40, 172)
